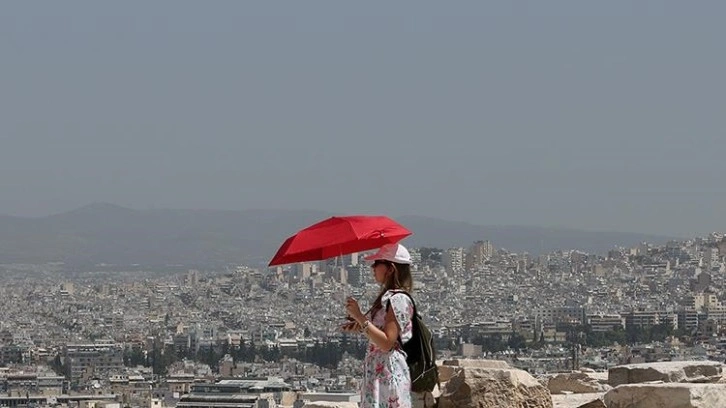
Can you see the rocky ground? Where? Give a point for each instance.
(494, 384)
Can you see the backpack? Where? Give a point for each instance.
(420, 354)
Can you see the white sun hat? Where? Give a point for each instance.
(393, 253)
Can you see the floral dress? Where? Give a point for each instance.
(386, 380)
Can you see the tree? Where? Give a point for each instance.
(491, 343)
(270, 353)
(516, 341)
(211, 358)
(659, 332)
(58, 366)
(241, 351)
(156, 362)
(134, 356)
(251, 351)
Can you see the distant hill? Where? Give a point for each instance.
(535, 240)
(105, 233)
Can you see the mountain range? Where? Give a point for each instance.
(110, 234)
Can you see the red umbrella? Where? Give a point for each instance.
(339, 236)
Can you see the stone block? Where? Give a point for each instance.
(494, 388)
(669, 371)
(666, 395)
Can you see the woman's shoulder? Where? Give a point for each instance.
(397, 294)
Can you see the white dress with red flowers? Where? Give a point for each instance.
(386, 380)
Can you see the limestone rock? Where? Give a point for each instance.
(666, 395)
(422, 400)
(446, 372)
(330, 404)
(670, 371)
(578, 400)
(493, 388)
(598, 403)
(576, 382)
(474, 363)
(599, 376)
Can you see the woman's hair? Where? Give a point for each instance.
(400, 279)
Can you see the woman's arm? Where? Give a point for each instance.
(385, 339)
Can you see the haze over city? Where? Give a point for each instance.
(567, 114)
(550, 172)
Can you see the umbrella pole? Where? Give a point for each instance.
(345, 286)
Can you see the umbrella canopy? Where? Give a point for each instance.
(339, 236)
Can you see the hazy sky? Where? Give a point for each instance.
(592, 115)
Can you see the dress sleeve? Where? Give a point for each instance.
(402, 310)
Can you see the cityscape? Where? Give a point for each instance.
(273, 334)
(191, 194)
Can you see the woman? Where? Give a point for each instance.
(386, 379)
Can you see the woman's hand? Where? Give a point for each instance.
(350, 327)
(353, 309)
